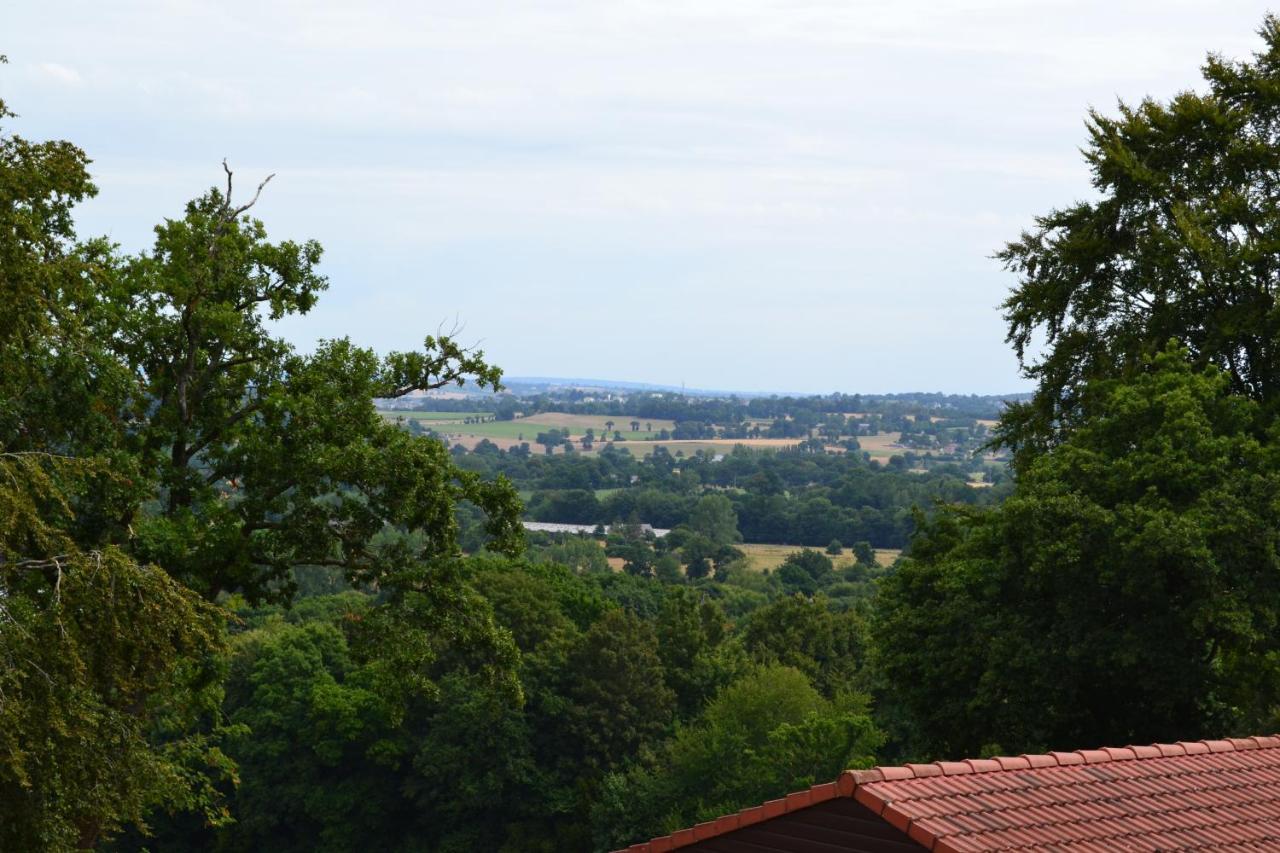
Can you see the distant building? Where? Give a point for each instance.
(586, 529)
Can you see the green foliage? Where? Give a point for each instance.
(619, 699)
(806, 571)
(713, 516)
(1181, 243)
(158, 445)
(827, 646)
(108, 671)
(295, 685)
(690, 633)
(579, 554)
(1125, 593)
(763, 736)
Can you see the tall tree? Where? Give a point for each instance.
(1126, 593)
(714, 517)
(108, 668)
(264, 458)
(1181, 243)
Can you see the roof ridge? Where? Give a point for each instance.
(1075, 758)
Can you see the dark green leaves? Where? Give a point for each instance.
(1182, 244)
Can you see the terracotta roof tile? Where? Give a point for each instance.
(1189, 795)
(922, 770)
(1013, 763)
(983, 765)
(1041, 760)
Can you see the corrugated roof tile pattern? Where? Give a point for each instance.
(1201, 795)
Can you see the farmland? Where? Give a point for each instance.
(881, 446)
(434, 417)
(762, 557)
(511, 433)
(452, 427)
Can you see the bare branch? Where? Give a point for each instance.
(228, 212)
(242, 208)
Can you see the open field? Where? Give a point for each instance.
(761, 557)
(881, 446)
(688, 447)
(510, 433)
(580, 423)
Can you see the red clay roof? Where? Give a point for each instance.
(1181, 796)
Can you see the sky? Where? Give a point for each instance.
(734, 194)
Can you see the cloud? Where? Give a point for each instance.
(61, 74)
(718, 164)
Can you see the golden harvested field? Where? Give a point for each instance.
(507, 434)
(761, 557)
(881, 446)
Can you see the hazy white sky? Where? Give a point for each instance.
(735, 194)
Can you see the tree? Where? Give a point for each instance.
(806, 571)
(551, 439)
(713, 516)
(313, 471)
(667, 569)
(1180, 244)
(829, 647)
(765, 735)
(108, 668)
(161, 448)
(689, 632)
(834, 548)
(619, 699)
(635, 426)
(312, 725)
(1126, 592)
(864, 553)
(582, 555)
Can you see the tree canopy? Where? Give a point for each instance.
(1181, 243)
(1129, 590)
(161, 449)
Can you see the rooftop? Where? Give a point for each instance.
(1181, 796)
